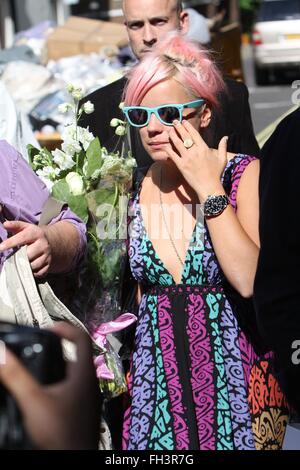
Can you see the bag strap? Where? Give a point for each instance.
(51, 209)
(27, 302)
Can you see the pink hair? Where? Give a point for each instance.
(180, 59)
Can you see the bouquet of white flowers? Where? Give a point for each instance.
(95, 184)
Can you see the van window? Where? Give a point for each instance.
(279, 10)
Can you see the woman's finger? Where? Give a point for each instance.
(173, 156)
(222, 148)
(181, 131)
(195, 135)
(176, 142)
(222, 151)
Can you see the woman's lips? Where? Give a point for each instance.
(157, 145)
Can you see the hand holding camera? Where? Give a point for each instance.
(59, 403)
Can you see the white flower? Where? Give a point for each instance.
(114, 122)
(75, 183)
(48, 175)
(121, 105)
(111, 165)
(77, 93)
(63, 160)
(70, 87)
(130, 163)
(73, 136)
(88, 107)
(121, 130)
(49, 172)
(96, 174)
(48, 183)
(71, 144)
(84, 136)
(71, 147)
(69, 133)
(64, 107)
(37, 159)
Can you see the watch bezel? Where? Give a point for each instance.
(220, 199)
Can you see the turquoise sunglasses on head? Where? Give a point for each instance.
(139, 116)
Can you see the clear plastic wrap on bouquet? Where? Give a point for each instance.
(108, 364)
(116, 385)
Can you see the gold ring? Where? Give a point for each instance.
(188, 143)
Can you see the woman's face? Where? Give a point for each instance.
(155, 136)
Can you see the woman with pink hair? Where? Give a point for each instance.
(198, 380)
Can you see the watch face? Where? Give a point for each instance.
(214, 205)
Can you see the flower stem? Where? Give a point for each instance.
(95, 239)
(76, 125)
(113, 205)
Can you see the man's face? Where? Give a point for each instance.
(147, 21)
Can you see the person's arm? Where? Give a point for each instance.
(62, 416)
(234, 235)
(57, 247)
(277, 282)
(50, 249)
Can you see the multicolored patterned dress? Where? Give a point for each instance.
(196, 382)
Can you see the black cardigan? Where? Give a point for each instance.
(277, 283)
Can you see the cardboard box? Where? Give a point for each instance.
(85, 25)
(64, 42)
(83, 35)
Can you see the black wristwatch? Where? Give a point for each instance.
(215, 205)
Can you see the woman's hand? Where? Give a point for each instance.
(199, 165)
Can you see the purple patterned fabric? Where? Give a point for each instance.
(171, 367)
(196, 381)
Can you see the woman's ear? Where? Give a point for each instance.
(205, 116)
(184, 22)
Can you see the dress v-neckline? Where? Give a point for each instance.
(145, 232)
(158, 258)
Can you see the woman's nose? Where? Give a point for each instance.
(154, 124)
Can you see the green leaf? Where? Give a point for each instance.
(81, 159)
(94, 157)
(77, 204)
(32, 152)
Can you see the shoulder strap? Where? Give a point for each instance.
(50, 210)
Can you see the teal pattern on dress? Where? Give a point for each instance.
(161, 434)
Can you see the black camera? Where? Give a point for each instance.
(41, 352)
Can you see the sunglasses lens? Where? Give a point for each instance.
(138, 117)
(168, 113)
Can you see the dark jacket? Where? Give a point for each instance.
(233, 119)
(277, 283)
